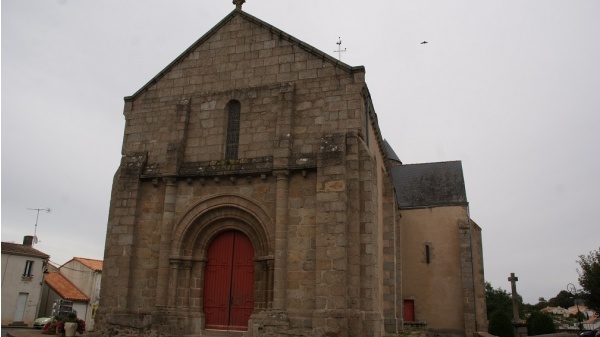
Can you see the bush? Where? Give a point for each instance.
(539, 323)
(501, 324)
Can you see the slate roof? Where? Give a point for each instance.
(429, 184)
(390, 152)
(19, 249)
(64, 288)
(95, 265)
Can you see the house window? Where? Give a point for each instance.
(233, 130)
(28, 268)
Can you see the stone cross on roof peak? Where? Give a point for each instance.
(238, 4)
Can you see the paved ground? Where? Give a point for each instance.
(18, 332)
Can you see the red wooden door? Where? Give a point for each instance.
(229, 282)
(409, 310)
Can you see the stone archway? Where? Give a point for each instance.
(193, 234)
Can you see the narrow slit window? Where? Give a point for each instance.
(427, 253)
(233, 130)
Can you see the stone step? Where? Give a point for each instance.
(220, 333)
(14, 324)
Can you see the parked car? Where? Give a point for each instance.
(592, 333)
(40, 322)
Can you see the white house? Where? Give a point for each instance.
(57, 287)
(23, 270)
(86, 275)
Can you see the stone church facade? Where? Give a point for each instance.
(256, 193)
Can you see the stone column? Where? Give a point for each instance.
(202, 268)
(162, 281)
(281, 231)
(187, 276)
(270, 283)
(174, 283)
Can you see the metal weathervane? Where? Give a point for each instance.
(340, 50)
(47, 210)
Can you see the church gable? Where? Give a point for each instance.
(237, 43)
(284, 88)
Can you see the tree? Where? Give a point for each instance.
(589, 279)
(539, 323)
(497, 299)
(563, 299)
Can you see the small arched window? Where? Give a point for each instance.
(233, 130)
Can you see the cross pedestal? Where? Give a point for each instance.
(520, 329)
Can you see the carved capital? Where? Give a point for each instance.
(281, 174)
(170, 180)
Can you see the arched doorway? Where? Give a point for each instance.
(229, 282)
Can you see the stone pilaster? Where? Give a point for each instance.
(391, 282)
(330, 316)
(370, 241)
(466, 264)
(121, 230)
(165, 241)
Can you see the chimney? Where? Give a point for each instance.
(28, 240)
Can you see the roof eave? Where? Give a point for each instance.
(433, 205)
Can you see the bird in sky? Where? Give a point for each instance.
(424, 42)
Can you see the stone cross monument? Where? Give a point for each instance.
(520, 328)
(515, 301)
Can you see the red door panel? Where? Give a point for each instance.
(216, 281)
(242, 287)
(229, 282)
(409, 310)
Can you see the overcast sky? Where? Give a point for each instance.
(511, 88)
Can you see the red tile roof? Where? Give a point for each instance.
(19, 249)
(64, 287)
(95, 265)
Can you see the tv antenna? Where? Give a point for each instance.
(47, 210)
(340, 50)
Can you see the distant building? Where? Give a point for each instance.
(78, 280)
(23, 270)
(58, 287)
(591, 324)
(86, 275)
